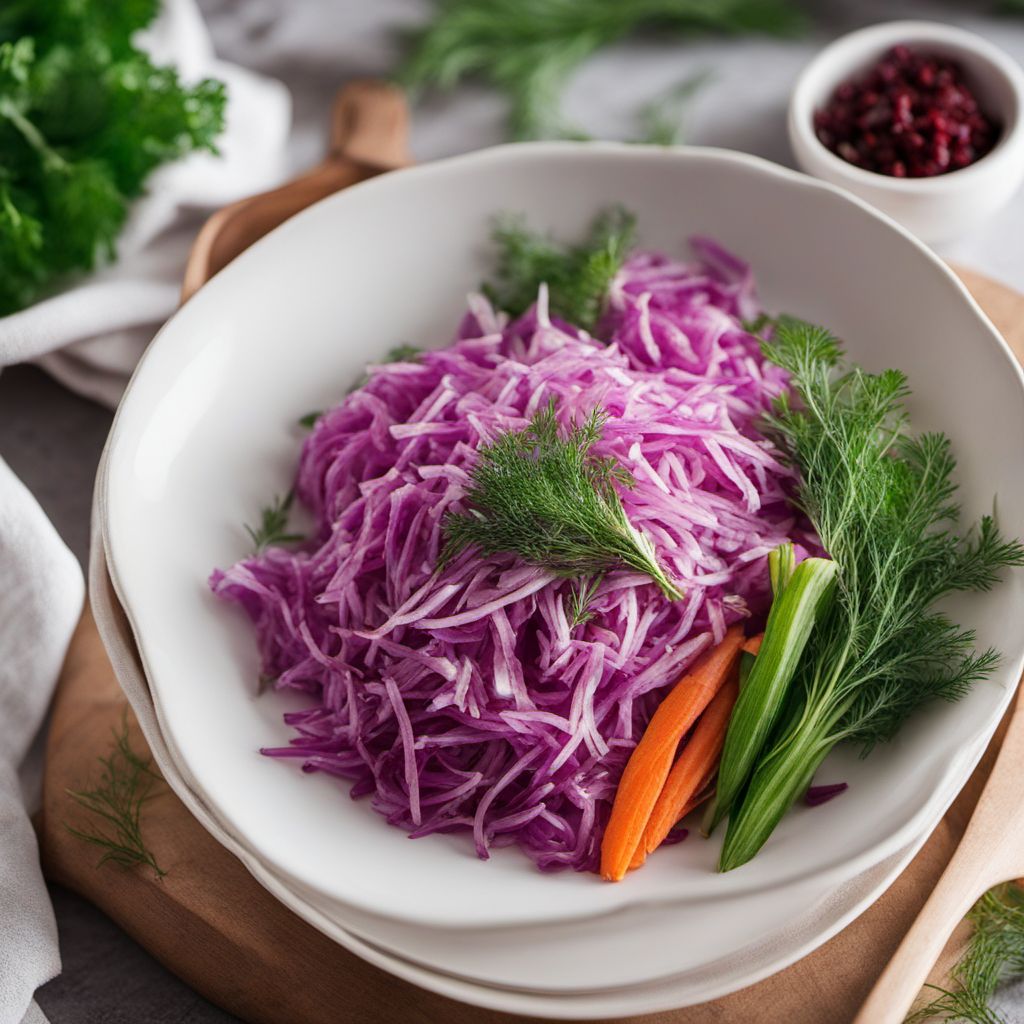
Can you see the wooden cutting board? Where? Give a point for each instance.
(212, 924)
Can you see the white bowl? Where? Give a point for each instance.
(205, 434)
(798, 918)
(949, 205)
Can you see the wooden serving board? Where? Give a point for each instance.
(211, 923)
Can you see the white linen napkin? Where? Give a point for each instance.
(42, 599)
(91, 336)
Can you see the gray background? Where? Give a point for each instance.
(52, 438)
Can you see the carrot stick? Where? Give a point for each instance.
(651, 760)
(703, 790)
(698, 759)
(703, 793)
(695, 766)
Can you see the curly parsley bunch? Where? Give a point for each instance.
(85, 116)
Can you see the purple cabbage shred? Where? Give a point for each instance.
(467, 700)
(818, 795)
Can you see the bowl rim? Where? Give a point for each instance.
(878, 38)
(119, 438)
(648, 998)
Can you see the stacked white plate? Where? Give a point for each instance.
(204, 435)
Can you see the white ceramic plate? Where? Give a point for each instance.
(641, 946)
(205, 434)
(800, 917)
(800, 929)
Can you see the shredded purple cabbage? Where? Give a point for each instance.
(465, 700)
(818, 795)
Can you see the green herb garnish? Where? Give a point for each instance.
(528, 49)
(994, 954)
(663, 120)
(758, 324)
(126, 783)
(577, 276)
(580, 597)
(273, 525)
(85, 116)
(883, 505)
(550, 500)
(402, 354)
(802, 594)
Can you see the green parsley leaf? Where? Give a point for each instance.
(85, 117)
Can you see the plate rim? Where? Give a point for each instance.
(490, 996)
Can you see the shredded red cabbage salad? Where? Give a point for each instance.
(465, 699)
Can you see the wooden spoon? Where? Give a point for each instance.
(991, 852)
(369, 129)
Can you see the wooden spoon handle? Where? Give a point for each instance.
(907, 971)
(991, 851)
(369, 134)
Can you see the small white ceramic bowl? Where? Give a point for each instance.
(935, 209)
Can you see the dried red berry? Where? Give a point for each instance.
(912, 115)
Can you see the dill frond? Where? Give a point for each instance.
(994, 954)
(663, 120)
(580, 597)
(529, 49)
(551, 501)
(883, 504)
(125, 784)
(273, 525)
(402, 354)
(577, 276)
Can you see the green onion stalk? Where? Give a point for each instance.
(801, 592)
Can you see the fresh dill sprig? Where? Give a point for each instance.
(550, 500)
(663, 120)
(125, 784)
(528, 49)
(577, 276)
(581, 596)
(402, 354)
(883, 504)
(273, 525)
(995, 953)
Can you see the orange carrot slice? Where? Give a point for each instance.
(698, 759)
(704, 792)
(651, 760)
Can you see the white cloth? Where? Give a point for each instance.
(91, 336)
(42, 599)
